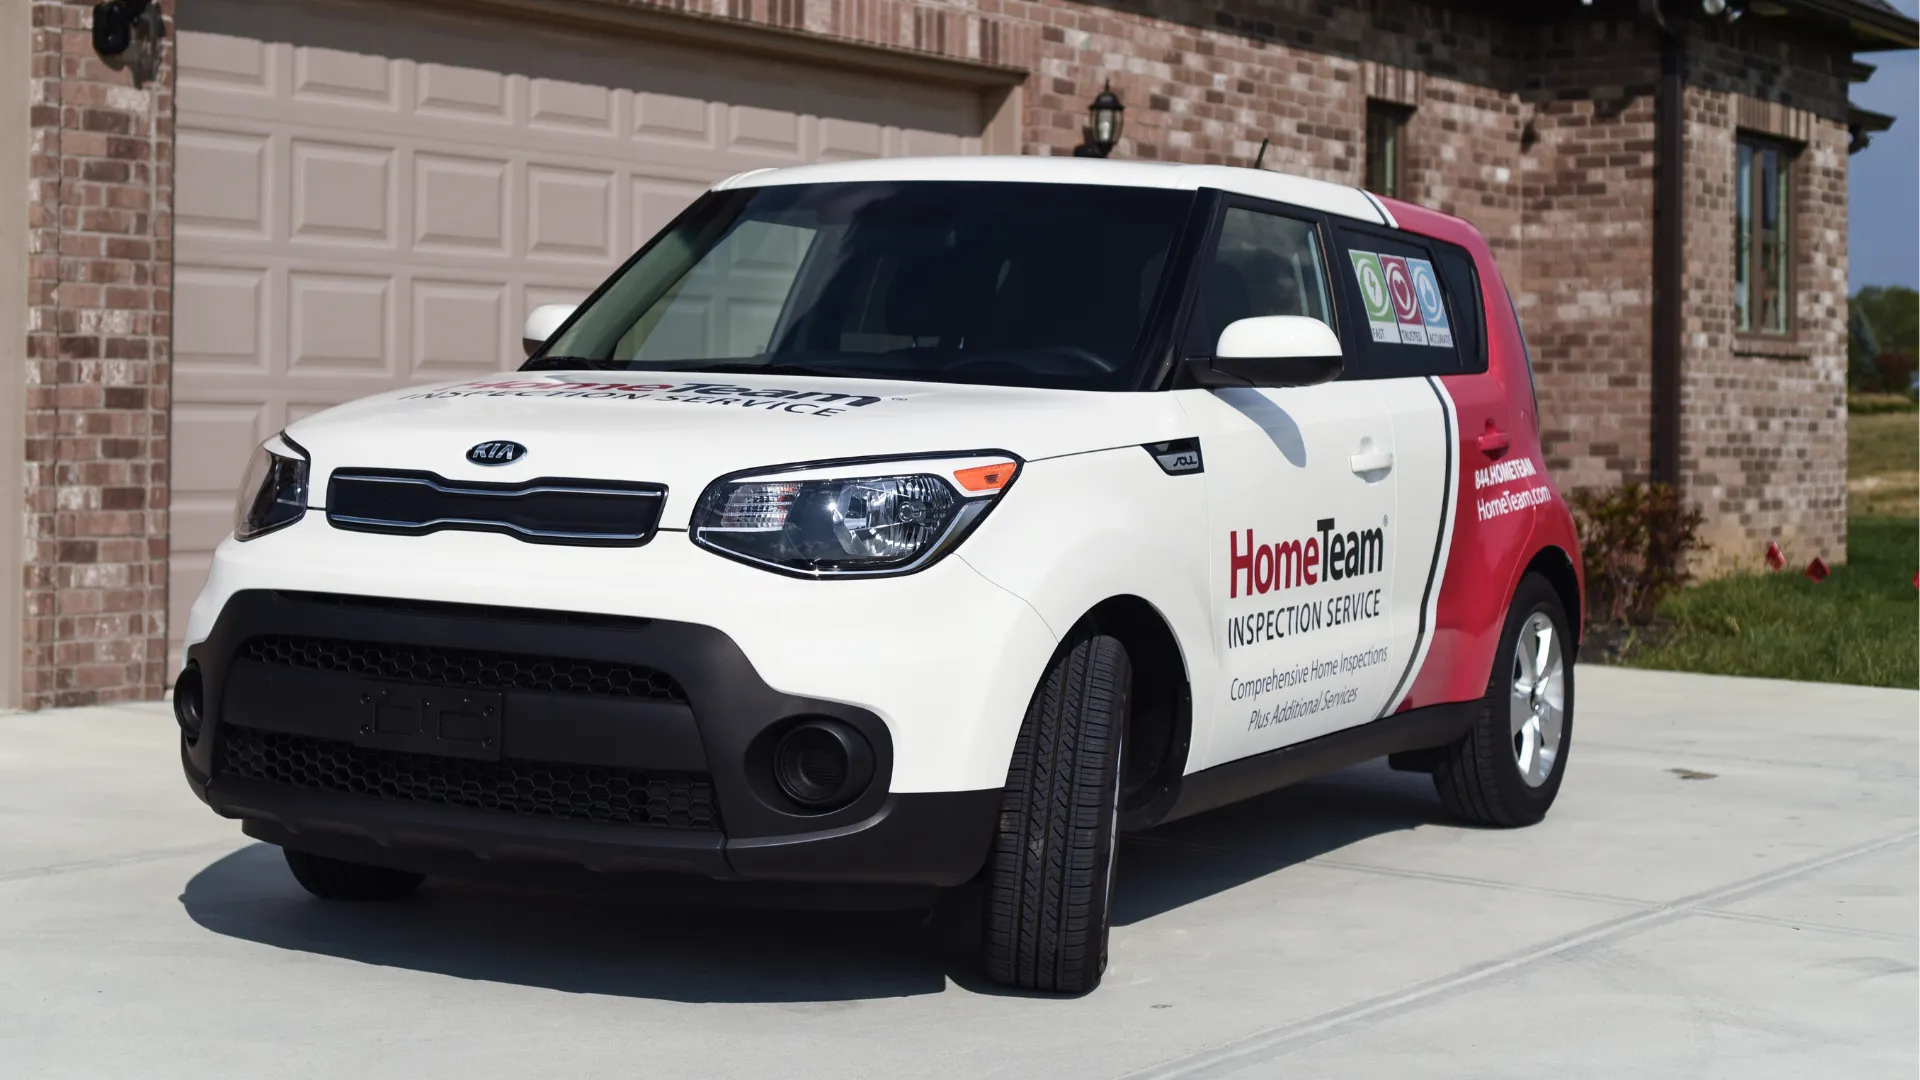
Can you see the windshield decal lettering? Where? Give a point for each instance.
(765, 399)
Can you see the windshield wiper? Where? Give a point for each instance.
(587, 363)
(770, 369)
(572, 363)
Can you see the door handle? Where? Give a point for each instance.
(1371, 461)
(1493, 442)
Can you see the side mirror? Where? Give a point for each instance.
(541, 323)
(1279, 350)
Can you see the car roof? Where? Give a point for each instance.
(1302, 191)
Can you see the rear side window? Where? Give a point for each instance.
(1417, 305)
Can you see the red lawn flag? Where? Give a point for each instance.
(1817, 570)
(1776, 560)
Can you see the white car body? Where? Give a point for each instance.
(1305, 573)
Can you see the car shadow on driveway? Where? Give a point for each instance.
(632, 947)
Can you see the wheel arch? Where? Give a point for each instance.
(1160, 719)
(1554, 564)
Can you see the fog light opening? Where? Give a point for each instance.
(187, 705)
(822, 764)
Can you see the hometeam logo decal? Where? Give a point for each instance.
(1325, 556)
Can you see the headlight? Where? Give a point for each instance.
(859, 520)
(274, 493)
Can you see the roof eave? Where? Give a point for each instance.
(1872, 27)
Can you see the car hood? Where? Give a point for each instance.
(684, 429)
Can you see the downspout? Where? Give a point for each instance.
(1669, 246)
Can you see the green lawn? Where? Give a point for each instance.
(1861, 625)
(1883, 465)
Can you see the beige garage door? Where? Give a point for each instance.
(370, 196)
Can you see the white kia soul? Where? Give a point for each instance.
(905, 525)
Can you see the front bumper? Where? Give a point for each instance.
(618, 745)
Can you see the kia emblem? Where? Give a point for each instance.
(497, 452)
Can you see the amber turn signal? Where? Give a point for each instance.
(986, 477)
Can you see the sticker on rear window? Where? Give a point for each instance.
(1406, 309)
(1373, 292)
(1433, 310)
(1403, 299)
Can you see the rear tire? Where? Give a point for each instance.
(1049, 877)
(337, 879)
(1507, 770)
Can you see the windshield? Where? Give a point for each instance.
(1012, 284)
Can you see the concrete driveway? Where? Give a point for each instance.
(1726, 888)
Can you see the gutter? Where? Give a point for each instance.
(1669, 246)
(1862, 126)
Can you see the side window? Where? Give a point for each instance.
(1416, 320)
(1263, 264)
(1462, 284)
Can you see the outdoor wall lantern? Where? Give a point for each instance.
(126, 34)
(1104, 118)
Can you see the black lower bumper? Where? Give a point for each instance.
(448, 738)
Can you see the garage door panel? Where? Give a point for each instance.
(346, 78)
(232, 63)
(220, 313)
(221, 181)
(212, 441)
(461, 93)
(339, 323)
(371, 196)
(842, 140)
(343, 193)
(675, 119)
(764, 131)
(460, 202)
(459, 328)
(574, 107)
(570, 213)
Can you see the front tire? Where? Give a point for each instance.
(1507, 770)
(337, 879)
(1050, 875)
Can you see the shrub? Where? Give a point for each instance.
(1635, 539)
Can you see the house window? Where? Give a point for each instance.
(1386, 123)
(1762, 231)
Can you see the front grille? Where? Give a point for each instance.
(676, 800)
(472, 669)
(440, 609)
(591, 513)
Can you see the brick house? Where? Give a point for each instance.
(303, 201)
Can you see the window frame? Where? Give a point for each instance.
(1199, 259)
(1360, 362)
(1396, 117)
(1747, 229)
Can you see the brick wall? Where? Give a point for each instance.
(1542, 137)
(99, 276)
(1764, 422)
(1585, 290)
